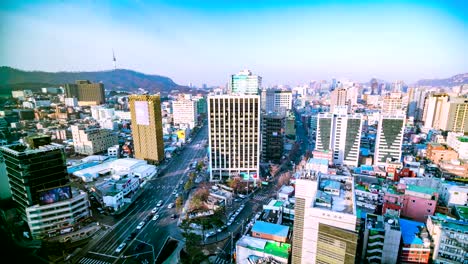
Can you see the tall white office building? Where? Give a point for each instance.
(277, 101)
(234, 136)
(389, 139)
(341, 134)
(245, 82)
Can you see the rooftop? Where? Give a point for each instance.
(462, 212)
(274, 248)
(271, 229)
(318, 161)
(410, 231)
(340, 201)
(421, 189)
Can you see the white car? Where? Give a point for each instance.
(140, 225)
(159, 203)
(170, 205)
(154, 210)
(209, 234)
(120, 247)
(155, 217)
(174, 192)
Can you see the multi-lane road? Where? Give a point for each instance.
(149, 240)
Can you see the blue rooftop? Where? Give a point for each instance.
(271, 229)
(409, 231)
(73, 169)
(318, 161)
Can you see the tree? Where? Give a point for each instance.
(179, 203)
(234, 183)
(188, 185)
(284, 179)
(202, 194)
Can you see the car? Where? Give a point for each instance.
(177, 195)
(174, 192)
(237, 200)
(174, 216)
(229, 223)
(159, 203)
(154, 210)
(170, 205)
(120, 247)
(221, 228)
(140, 225)
(155, 217)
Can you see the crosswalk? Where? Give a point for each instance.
(92, 261)
(221, 261)
(263, 198)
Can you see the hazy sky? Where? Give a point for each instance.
(289, 42)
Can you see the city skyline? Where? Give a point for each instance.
(205, 42)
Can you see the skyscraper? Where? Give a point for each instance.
(389, 139)
(185, 111)
(147, 127)
(338, 98)
(245, 82)
(234, 136)
(325, 219)
(272, 137)
(86, 92)
(340, 133)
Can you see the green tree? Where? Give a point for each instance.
(179, 203)
(188, 185)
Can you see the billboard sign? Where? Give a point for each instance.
(55, 195)
(142, 113)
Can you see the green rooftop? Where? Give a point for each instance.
(421, 189)
(462, 212)
(277, 249)
(463, 139)
(278, 203)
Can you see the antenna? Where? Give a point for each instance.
(115, 61)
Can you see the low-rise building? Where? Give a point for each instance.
(89, 141)
(54, 219)
(270, 231)
(419, 202)
(416, 246)
(381, 239)
(248, 246)
(440, 152)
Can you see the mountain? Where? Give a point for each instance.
(120, 79)
(456, 80)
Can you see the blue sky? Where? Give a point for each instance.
(286, 42)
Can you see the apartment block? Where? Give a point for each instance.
(381, 239)
(91, 140)
(185, 112)
(389, 139)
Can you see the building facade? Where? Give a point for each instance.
(272, 138)
(86, 92)
(185, 112)
(325, 220)
(147, 127)
(234, 136)
(389, 139)
(381, 239)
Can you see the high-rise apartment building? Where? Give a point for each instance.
(457, 117)
(245, 82)
(234, 136)
(393, 104)
(147, 127)
(434, 109)
(338, 98)
(272, 137)
(325, 222)
(340, 133)
(185, 112)
(389, 139)
(86, 92)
